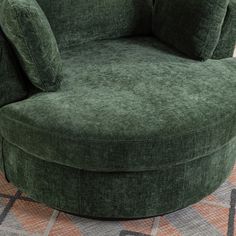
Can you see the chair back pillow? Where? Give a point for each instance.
(28, 30)
(191, 26)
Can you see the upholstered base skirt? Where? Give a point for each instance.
(118, 194)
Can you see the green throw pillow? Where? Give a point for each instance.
(191, 26)
(28, 29)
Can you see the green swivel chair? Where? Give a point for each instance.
(117, 108)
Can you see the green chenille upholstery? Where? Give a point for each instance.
(227, 42)
(26, 26)
(193, 27)
(118, 194)
(79, 21)
(137, 128)
(124, 102)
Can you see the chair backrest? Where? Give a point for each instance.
(77, 21)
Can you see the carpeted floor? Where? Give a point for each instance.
(213, 216)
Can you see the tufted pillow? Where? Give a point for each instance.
(27, 28)
(191, 26)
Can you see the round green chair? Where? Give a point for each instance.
(137, 128)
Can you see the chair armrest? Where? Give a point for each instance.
(226, 44)
(12, 85)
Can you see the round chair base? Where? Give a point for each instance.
(114, 195)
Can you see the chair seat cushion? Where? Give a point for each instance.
(127, 105)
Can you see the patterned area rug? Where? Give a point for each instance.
(213, 216)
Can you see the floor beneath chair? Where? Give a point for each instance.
(213, 216)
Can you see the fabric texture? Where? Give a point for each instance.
(13, 86)
(227, 42)
(26, 26)
(192, 27)
(120, 194)
(207, 217)
(131, 115)
(127, 105)
(78, 21)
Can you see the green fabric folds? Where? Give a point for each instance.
(26, 26)
(192, 27)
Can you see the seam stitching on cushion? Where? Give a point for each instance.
(106, 140)
(167, 165)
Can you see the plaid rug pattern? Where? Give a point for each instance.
(213, 216)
